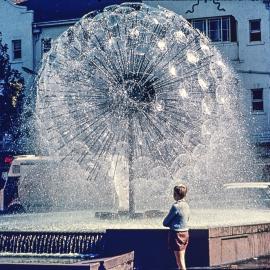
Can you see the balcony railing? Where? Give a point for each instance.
(229, 49)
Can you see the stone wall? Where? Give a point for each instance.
(236, 243)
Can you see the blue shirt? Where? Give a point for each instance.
(177, 219)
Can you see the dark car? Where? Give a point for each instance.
(9, 203)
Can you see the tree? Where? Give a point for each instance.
(11, 89)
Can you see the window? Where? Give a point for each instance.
(214, 29)
(46, 44)
(218, 29)
(225, 29)
(254, 30)
(257, 100)
(17, 49)
(200, 25)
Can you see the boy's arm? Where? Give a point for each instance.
(167, 220)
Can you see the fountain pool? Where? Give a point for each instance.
(39, 237)
(86, 221)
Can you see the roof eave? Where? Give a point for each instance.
(55, 22)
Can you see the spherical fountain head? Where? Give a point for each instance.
(135, 81)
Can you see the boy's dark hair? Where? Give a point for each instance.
(180, 191)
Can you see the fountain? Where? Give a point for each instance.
(135, 99)
(130, 102)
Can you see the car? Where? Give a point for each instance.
(233, 195)
(26, 183)
(247, 194)
(10, 175)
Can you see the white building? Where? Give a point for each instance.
(239, 28)
(29, 27)
(16, 28)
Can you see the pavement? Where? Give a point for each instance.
(254, 263)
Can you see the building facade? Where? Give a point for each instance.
(16, 28)
(28, 27)
(239, 28)
(241, 31)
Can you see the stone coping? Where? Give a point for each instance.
(238, 230)
(213, 229)
(123, 261)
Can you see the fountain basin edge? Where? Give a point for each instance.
(212, 246)
(208, 247)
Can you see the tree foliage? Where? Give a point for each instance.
(11, 89)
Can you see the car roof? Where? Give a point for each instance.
(247, 185)
(31, 158)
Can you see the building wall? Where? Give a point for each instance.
(16, 24)
(250, 59)
(44, 31)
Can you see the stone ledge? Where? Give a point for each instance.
(123, 261)
(120, 262)
(239, 229)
